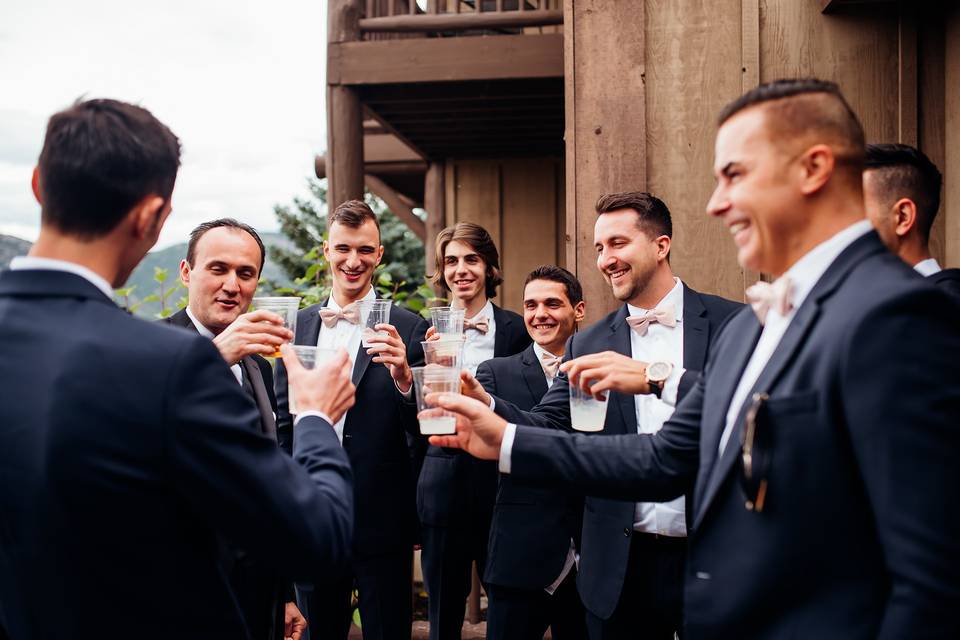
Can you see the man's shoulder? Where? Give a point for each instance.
(401, 317)
(716, 305)
(507, 363)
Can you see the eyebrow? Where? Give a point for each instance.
(546, 300)
(343, 245)
(466, 255)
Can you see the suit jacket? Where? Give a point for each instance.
(856, 539)
(117, 470)
(449, 476)
(608, 524)
(374, 437)
(531, 530)
(949, 279)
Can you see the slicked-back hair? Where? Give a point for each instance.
(902, 171)
(100, 158)
(199, 231)
(353, 213)
(653, 216)
(553, 273)
(477, 238)
(811, 111)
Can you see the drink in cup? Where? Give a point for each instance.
(447, 321)
(309, 357)
(372, 313)
(435, 378)
(586, 412)
(284, 306)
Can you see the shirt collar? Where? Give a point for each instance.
(806, 271)
(201, 328)
(51, 264)
(332, 303)
(674, 297)
(927, 267)
(540, 351)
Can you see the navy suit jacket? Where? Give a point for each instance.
(117, 470)
(608, 524)
(449, 475)
(374, 437)
(531, 530)
(949, 279)
(858, 538)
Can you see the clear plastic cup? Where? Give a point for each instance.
(447, 321)
(372, 313)
(309, 357)
(586, 412)
(447, 352)
(284, 306)
(435, 378)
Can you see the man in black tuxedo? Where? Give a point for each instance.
(531, 573)
(822, 437)
(901, 192)
(373, 434)
(632, 553)
(118, 469)
(221, 271)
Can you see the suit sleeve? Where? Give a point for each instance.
(486, 378)
(553, 411)
(902, 403)
(296, 514)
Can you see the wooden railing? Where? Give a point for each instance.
(445, 17)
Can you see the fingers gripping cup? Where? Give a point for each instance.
(309, 357)
(285, 306)
(372, 313)
(435, 378)
(447, 321)
(586, 412)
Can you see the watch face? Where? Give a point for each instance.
(658, 371)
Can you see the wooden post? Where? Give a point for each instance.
(434, 201)
(605, 125)
(951, 169)
(344, 112)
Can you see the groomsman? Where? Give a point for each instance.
(373, 434)
(221, 271)
(531, 571)
(822, 440)
(901, 191)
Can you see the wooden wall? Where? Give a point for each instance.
(520, 202)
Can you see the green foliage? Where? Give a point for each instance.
(162, 295)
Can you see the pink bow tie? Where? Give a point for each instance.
(481, 324)
(350, 313)
(764, 296)
(550, 363)
(665, 316)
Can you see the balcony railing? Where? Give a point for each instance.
(457, 17)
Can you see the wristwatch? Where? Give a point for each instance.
(657, 374)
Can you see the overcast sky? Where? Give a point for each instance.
(241, 84)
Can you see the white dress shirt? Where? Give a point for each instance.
(927, 267)
(348, 336)
(803, 275)
(23, 263)
(479, 346)
(540, 351)
(206, 333)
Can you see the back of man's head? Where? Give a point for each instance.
(901, 171)
(99, 159)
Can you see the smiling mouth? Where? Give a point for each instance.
(227, 303)
(616, 275)
(351, 274)
(543, 327)
(463, 283)
(737, 227)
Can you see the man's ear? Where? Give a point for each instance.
(579, 311)
(817, 164)
(185, 272)
(35, 185)
(148, 217)
(663, 247)
(905, 216)
(379, 255)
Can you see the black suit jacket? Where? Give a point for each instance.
(607, 524)
(117, 469)
(949, 279)
(449, 475)
(531, 530)
(858, 538)
(374, 437)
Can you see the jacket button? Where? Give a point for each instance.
(626, 532)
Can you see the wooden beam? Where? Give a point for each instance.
(434, 201)
(445, 59)
(344, 113)
(951, 168)
(397, 205)
(375, 168)
(907, 83)
(461, 21)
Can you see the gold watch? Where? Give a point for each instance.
(657, 374)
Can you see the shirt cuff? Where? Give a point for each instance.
(319, 414)
(408, 394)
(493, 403)
(506, 447)
(671, 386)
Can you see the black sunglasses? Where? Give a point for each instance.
(755, 453)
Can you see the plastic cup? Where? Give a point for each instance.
(447, 321)
(435, 378)
(309, 357)
(586, 412)
(284, 306)
(447, 352)
(372, 313)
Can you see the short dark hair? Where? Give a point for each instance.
(352, 213)
(479, 239)
(554, 273)
(653, 216)
(797, 108)
(230, 223)
(99, 159)
(902, 171)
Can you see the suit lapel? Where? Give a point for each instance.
(503, 322)
(308, 328)
(252, 370)
(620, 342)
(533, 374)
(696, 330)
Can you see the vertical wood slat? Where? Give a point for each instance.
(412, 6)
(750, 77)
(951, 164)
(391, 7)
(434, 201)
(344, 112)
(499, 6)
(907, 75)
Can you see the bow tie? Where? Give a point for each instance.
(350, 313)
(550, 364)
(665, 316)
(764, 296)
(481, 324)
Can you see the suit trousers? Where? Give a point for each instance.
(384, 585)
(525, 614)
(651, 602)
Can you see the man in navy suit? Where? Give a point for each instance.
(823, 435)
(374, 436)
(531, 574)
(117, 469)
(901, 192)
(221, 271)
(632, 553)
